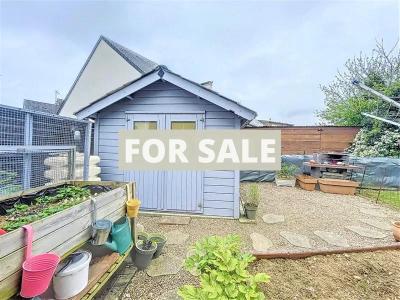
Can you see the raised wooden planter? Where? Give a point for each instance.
(58, 233)
(306, 182)
(338, 186)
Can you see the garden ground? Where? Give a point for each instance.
(288, 219)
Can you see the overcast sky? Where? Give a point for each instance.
(271, 56)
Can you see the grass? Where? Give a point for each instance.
(389, 197)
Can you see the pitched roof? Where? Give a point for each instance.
(162, 72)
(139, 62)
(39, 106)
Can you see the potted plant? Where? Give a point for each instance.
(286, 175)
(144, 251)
(160, 240)
(253, 197)
(396, 231)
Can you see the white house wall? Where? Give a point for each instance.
(220, 187)
(105, 71)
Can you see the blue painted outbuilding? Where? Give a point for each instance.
(162, 99)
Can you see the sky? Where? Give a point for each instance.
(271, 56)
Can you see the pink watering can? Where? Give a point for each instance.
(38, 270)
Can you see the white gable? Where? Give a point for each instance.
(105, 71)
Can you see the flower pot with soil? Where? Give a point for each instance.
(396, 231)
(306, 182)
(160, 240)
(144, 251)
(252, 199)
(286, 175)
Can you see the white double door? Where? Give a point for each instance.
(180, 191)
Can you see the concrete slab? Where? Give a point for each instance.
(296, 239)
(366, 232)
(260, 242)
(169, 295)
(273, 219)
(176, 237)
(332, 238)
(174, 220)
(373, 212)
(380, 224)
(165, 265)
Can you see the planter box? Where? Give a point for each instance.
(306, 182)
(285, 182)
(58, 233)
(338, 186)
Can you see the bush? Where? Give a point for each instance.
(287, 171)
(223, 271)
(376, 143)
(253, 195)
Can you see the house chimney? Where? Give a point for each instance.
(208, 84)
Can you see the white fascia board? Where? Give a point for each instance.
(118, 95)
(209, 96)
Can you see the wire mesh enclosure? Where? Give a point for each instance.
(39, 149)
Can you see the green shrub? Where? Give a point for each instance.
(222, 268)
(287, 171)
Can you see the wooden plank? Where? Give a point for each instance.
(219, 181)
(10, 285)
(98, 267)
(15, 239)
(12, 262)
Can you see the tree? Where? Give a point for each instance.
(345, 102)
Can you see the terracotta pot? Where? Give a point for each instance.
(338, 186)
(306, 182)
(132, 208)
(396, 231)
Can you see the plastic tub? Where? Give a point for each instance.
(72, 275)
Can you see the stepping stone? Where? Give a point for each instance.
(164, 265)
(365, 232)
(260, 242)
(174, 220)
(332, 238)
(176, 237)
(384, 225)
(272, 219)
(296, 239)
(373, 212)
(139, 228)
(169, 295)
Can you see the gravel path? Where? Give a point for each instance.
(304, 213)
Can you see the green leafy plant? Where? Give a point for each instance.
(287, 171)
(222, 268)
(253, 195)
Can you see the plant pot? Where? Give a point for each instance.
(290, 182)
(132, 208)
(250, 211)
(160, 240)
(396, 231)
(142, 258)
(338, 186)
(306, 182)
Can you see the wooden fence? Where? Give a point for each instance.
(311, 139)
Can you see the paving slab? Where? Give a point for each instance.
(332, 238)
(165, 265)
(169, 295)
(174, 220)
(373, 212)
(273, 219)
(260, 242)
(296, 239)
(176, 237)
(380, 224)
(366, 232)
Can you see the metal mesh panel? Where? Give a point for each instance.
(38, 149)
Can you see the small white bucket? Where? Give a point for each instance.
(72, 276)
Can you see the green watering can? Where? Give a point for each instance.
(120, 238)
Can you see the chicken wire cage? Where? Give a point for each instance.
(38, 149)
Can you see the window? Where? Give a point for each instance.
(145, 125)
(183, 125)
